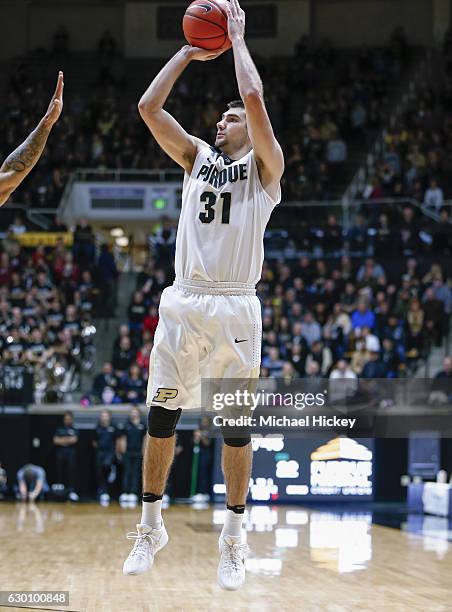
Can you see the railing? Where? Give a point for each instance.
(347, 210)
(120, 175)
(42, 217)
(354, 205)
(38, 217)
(65, 198)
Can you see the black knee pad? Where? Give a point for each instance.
(162, 421)
(237, 441)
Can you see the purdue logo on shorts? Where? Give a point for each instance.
(164, 394)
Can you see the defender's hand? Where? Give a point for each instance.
(202, 55)
(236, 20)
(56, 103)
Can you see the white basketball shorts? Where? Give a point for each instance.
(205, 331)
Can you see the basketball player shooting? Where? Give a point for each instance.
(21, 161)
(210, 318)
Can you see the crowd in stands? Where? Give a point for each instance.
(338, 101)
(328, 316)
(49, 297)
(321, 318)
(344, 319)
(416, 149)
(321, 102)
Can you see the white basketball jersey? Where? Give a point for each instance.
(224, 213)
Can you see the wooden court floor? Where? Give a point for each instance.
(300, 560)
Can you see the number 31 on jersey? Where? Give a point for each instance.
(209, 199)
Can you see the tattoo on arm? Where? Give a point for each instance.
(28, 153)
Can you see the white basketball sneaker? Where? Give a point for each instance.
(148, 542)
(231, 569)
(104, 499)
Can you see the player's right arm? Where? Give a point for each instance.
(171, 136)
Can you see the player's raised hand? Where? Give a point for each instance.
(56, 103)
(202, 55)
(236, 20)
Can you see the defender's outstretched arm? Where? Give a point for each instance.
(20, 162)
(266, 148)
(171, 136)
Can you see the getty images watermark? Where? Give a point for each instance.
(385, 408)
(249, 399)
(246, 402)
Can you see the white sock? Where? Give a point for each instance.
(151, 514)
(232, 524)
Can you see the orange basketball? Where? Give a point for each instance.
(205, 24)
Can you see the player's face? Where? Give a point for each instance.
(231, 129)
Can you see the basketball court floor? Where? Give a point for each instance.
(300, 559)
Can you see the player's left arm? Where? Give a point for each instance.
(268, 153)
(21, 161)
